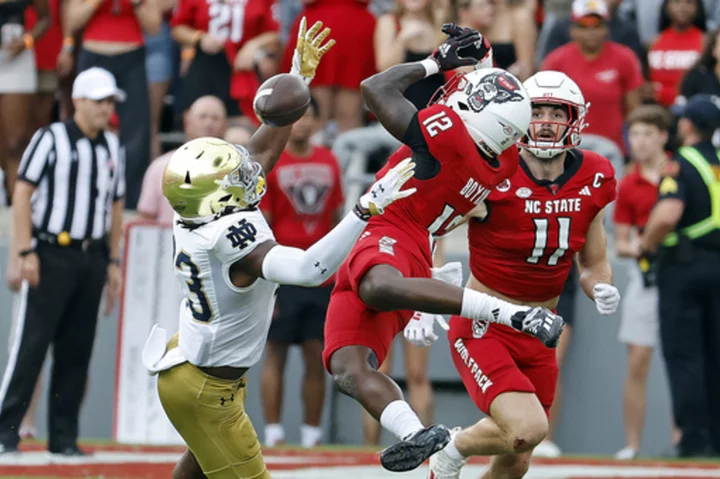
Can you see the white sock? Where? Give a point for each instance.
(310, 435)
(452, 451)
(477, 305)
(400, 420)
(274, 433)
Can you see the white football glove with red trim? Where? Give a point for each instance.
(420, 331)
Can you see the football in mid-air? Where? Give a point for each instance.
(281, 100)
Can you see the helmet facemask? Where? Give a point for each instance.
(245, 185)
(563, 136)
(554, 89)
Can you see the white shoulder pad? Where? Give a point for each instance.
(238, 234)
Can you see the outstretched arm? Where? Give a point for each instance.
(383, 92)
(268, 143)
(312, 267)
(384, 288)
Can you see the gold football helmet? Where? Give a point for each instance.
(206, 175)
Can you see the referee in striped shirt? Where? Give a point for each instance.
(67, 213)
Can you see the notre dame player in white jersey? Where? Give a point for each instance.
(229, 266)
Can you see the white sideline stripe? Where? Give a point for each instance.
(15, 350)
(474, 471)
(346, 470)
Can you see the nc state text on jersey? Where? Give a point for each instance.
(563, 205)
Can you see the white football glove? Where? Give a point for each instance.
(607, 298)
(386, 190)
(420, 329)
(450, 273)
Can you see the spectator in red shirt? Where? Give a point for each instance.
(336, 85)
(677, 48)
(112, 38)
(229, 39)
(303, 202)
(608, 73)
(637, 194)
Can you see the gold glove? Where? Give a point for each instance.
(308, 50)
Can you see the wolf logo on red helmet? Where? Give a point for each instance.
(496, 87)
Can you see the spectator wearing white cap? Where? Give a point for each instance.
(67, 213)
(621, 31)
(608, 73)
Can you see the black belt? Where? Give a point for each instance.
(63, 240)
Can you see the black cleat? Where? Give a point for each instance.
(541, 323)
(410, 453)
(71, 451)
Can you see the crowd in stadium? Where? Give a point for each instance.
(191, 68)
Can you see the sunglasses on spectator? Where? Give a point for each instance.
(590, 21)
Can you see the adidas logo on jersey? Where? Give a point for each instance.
(585, 191)
(548, 322)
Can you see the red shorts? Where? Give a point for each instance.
(350, 322)
(497, 359)
(352, 59)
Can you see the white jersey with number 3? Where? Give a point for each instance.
(220, 324)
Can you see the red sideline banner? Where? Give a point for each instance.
(151, 294)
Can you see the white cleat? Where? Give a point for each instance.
(626, 454)
(443, 466)
(547, 449)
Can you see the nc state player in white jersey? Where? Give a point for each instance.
(522, 246)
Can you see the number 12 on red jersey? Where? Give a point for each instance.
(541, 241)
(437, 123)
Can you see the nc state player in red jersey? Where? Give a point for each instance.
(548, 213)
(463, 147)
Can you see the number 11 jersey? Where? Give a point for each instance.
(525, 246)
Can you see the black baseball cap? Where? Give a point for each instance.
(702, 110)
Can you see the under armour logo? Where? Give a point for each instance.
(223, 400)
(317, 265)
(242, 234)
